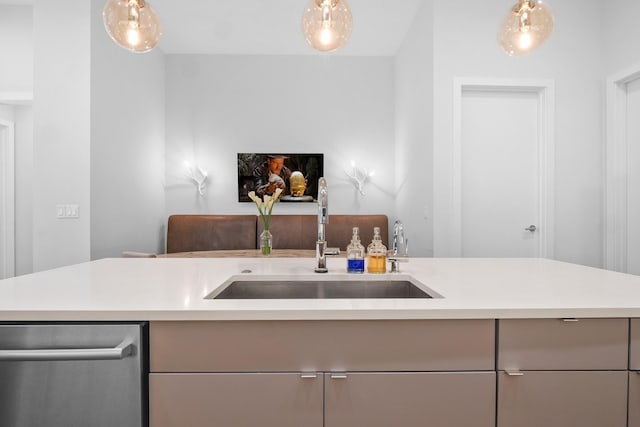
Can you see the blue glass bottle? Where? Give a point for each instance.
(355, 253)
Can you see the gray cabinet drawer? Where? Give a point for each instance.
(563, 398)
(548, 344)
(634, 399)
(324, 345)
(411, 399)
(634, 351)
(238, 400)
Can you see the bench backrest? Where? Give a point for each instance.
(187, 233)
(301, 231)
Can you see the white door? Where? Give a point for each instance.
(7, 236)
(633, 177)
(499, 173)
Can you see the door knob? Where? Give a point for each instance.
(531, 228)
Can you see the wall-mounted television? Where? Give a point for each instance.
(296, 174)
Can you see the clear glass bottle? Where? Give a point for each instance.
(376, 254)
(355, 253)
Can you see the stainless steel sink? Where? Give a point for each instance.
(310, 287)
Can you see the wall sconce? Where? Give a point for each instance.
(326, 24)
(527, 25)
(132, 24)
(359, 176)
(197, 175)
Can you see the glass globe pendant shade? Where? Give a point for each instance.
(132, 24)
(326, 24)
(527, 25)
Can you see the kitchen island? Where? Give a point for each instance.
(174, 289)
(511, 342)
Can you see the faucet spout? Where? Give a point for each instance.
(323, 219)
(399, 240)
(323, 201)
(400, 249)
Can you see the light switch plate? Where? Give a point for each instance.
(67, 211)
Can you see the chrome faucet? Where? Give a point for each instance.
(323, 219)
(399, 241)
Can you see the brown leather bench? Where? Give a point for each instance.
(301, 231)
(189, 233)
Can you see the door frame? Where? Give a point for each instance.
(7, 197)
(615, 165)
(544, 89)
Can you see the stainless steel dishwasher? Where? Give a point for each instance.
(73, 375)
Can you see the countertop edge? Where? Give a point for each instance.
(347, 314)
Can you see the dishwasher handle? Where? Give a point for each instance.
(122, 350)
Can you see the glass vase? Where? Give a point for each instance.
(265, 242)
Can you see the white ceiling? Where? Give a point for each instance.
(272, 27)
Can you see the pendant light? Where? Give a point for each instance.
(527, 25)
(327, 24)
(132, 24)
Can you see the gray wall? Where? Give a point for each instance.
(16, 46)
(127, 147)
(621, 35)
(218, 106)
(61, 115)
(24, 189)
(414, 133)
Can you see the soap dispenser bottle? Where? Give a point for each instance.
(355, 253)
(377, 254)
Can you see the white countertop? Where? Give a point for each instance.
(173, 289)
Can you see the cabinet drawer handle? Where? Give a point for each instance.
(570, 319)
(309, 376)
(514, 373)
(338, 376)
